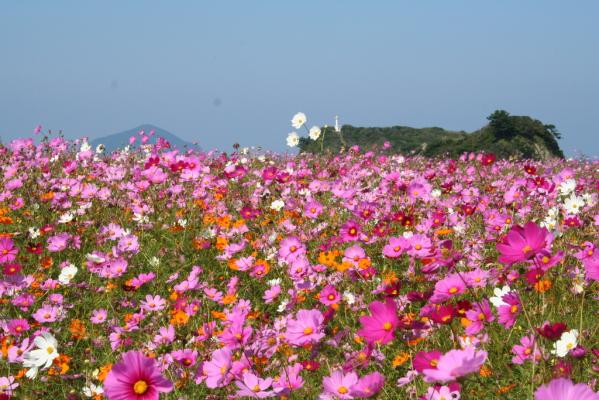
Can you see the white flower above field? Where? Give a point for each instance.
(298, 120)
(67, 273)
(566, 342)
(292, 139)
(277, 205)
(41, 357)
(314, 133)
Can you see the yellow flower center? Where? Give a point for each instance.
(140, 387)
(453, 290)
(50, 349)
(256, 389)
(418, 247)
(526, 249)
(514, 308)
(308, 331)
(342, 390)
(387, 326)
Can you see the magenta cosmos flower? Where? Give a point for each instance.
(565, 389)
(339, 384)
(379, 327)
(136, 377)
(8, 251)
(306, 328)
(456, 363)
(522, 243)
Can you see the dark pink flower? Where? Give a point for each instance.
(565, 389)
(522, 243)
(136, 377)
(379, 327)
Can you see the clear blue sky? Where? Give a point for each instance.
(221, 72)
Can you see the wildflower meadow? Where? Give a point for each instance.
(155, 272)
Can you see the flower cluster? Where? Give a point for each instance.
(155, 272)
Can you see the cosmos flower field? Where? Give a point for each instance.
(158, 273)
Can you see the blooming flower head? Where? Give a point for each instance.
(306, 328)
(339, 384)
(567, 342)
(455, 364)
(329, 295)
(136, 377)
(298, 120)
(448, 287)
(253, 386)
(522, 243)
(381, 324)
(565, 389)
(292, 139)
(8, 251)
(368, 385)
(42, 356)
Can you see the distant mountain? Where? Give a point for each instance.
(121, 139)
(505, 135)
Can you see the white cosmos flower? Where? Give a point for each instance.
(573, 204)
(92, 390)
(566, 342)
(34, 233)
(154, 261)
(349, 297)
(283, 306)
(67, 217)
(292, 139)
(497, 300)
(100, 148)
(298, 120)
(566, 187)
(67, 274)
(41, 357)
(277, 205)
(314, 133)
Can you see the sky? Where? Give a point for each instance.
(225, 72)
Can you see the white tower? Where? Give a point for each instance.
(337, 127)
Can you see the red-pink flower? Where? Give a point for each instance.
(379, 327)
(8, 251)
(522, 243)
(136, 377)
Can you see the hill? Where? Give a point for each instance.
(121, 139)
(505, 135)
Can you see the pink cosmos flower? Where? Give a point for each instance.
(591, 266)
(565, 389)
(527, 350)
(478, 315)
(448, 287)
(136, 377)
(289, 379)
(271, 293)
(368, 385)
(306, 328)
(291, 249)
(426, 360)
(396, 247)
(17, 326)
(46, 314)
(420, 246)
(217, 369)
(379, 327)
(312, 209)
(339, 384)
(254, 386)
(153, 303)
(508, 313)
(7, 386)
(455, 364)
(350, 231)
(329, 295)
(522, 243)
(8, 251)
(98, 316)
(58, 242)
(354, 254)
